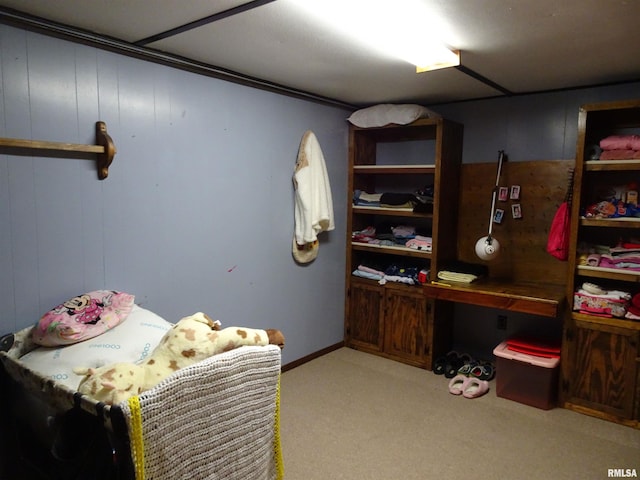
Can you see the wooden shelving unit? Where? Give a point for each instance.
(396, 320)
(600, 355)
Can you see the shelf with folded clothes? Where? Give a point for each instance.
(390, 249)
(609, 273)
(620, 262)
(585, 320)
(611, 165)
(395, 212)
(394, 169)
(614, 151)
(406, 273)
(418, 202)
(607, 300)
(616, 146)
(394, 239)
(620, 222)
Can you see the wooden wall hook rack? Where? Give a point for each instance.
(104, 149)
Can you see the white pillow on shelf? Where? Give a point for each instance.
(388, 113)
(130, 341)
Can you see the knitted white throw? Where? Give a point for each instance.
(217, 419)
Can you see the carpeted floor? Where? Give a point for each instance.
(351, 415)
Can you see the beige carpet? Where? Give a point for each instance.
(351, 415)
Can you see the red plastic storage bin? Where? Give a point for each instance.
(526, 378)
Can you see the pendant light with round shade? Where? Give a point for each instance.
(488, 247)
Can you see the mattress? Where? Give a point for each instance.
(215, 419)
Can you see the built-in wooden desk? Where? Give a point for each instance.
(536, 299)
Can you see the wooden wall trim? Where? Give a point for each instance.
(312, 356)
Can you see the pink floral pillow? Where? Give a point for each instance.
(82, 317)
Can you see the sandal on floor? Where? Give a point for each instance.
(474, 388)
(440, 365)
(467, 368)
(452, 368)
(457, 384)
(484, 371)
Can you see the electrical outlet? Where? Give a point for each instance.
(501, 324)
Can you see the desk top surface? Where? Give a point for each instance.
(537, 299)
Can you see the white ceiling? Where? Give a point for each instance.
(508, 46)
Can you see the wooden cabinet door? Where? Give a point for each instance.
(604, 368)
(365, 316)
(406, 325)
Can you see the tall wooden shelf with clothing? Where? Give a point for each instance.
(601, 345)
(401, 224)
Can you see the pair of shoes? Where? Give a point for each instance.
(440, 365)
(465, 364)
(449, 364)
(483, 371)
(468, 367)
(468, 387)
(455, 363)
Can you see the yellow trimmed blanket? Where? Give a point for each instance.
(217, 419)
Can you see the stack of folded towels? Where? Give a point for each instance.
(620, 147)
(462, 272)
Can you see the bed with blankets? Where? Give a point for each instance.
(102, 388)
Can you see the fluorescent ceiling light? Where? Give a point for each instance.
(403, 29)
(446, 58)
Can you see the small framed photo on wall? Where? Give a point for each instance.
(497, 217)
(515, 192)
(503, 194)
(516, 210)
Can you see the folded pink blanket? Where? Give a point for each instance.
(617, 154)
(364, 268)
(620, 142)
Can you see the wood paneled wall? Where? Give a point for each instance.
(523, 257)
(197, 212)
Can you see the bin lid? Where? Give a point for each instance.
(538, 348)
(503, 351)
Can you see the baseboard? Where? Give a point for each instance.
(312, 356)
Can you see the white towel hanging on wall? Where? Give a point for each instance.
(313, 203)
